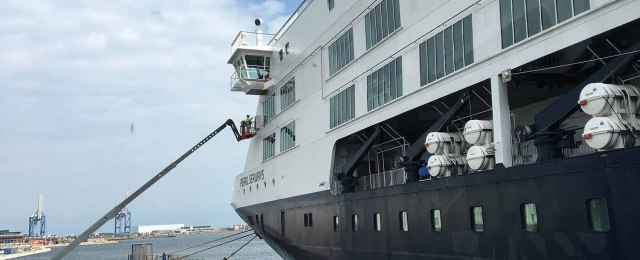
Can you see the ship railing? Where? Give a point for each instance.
(245, 38)
(382, 179)
(527, 153)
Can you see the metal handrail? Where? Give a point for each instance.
(235, 43)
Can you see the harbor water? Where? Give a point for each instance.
(256, 249)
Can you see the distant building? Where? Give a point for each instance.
(156, 228)
(8, 237)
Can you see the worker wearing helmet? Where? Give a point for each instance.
(247, 121)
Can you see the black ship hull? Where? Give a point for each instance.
(560, 190)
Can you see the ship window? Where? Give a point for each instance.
(436, 220)
(533, 17)
(382, 21)
(330, 4)
(342, 107)
(250, 220)
(548, 13)
(354, 223)
(286, 48)
(404, 221)
(288, 136)
(477, 221)
(268, 147)
(261, 221)
(282, 223)
(377, 222)
(598, 215)
(458, 49)
(257, 220)
(580, 6)
(520, 19)
(306, 220)
(341, 52)
(269, 108)
(467, 39)
(447, 51)
(336, 224)
(529, 216)
(439, 55)
(310, 219)
(281, 54)
(384, 84)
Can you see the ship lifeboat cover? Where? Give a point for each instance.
(477, 131)
(478, 158)
(602, 132)
(438, 165)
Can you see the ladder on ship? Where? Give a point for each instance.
(247, 134)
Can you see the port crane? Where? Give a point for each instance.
(247, 134)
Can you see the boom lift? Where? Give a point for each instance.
(247, 134)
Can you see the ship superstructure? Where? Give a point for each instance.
(403, 129)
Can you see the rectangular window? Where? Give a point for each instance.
(269, 146)
(269, 108)
(598, 212)
(342, 107)
(431, 59)
(529, 217)
(384, 84)
(548, 13)
(261, 221)
(288, 136)
(288, 94)
(282, 225)
(354, 223)
(533, 17)
(341, 52)
(377, 222)
(467, 35)
(436, 221)
(447, 51)
(306, 220)
(310, 219)
(336, 224)
(382, 21)
(580, 6)
(440, 55)
(520, 19)
(477, 221)
(564, 10)
(250, 220)
(404, 221)
(505, 23)
(519, 22)
(458, 49)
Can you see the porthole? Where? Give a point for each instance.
(436, 220)
(265, 184)
(377, 222)
(257, 187)
(354, 223)
(249, 188)
(336, 224)
(273, 182)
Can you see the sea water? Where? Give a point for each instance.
(256, 249)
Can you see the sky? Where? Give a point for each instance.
(75, 75)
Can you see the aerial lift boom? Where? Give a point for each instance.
(111, 214)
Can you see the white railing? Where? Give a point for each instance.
(245, 38)
(383, 179)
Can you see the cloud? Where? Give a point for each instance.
(75, 75)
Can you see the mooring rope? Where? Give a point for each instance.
(170, 253)
(214, 246)
(232, 254)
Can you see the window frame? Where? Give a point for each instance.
(436, 227)
(526, 226)
(477, 226)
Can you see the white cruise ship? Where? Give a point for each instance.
(462, 129)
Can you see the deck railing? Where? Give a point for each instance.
(381, 180)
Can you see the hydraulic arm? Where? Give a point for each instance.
(111, 214)
(548, 121)
(417, 148)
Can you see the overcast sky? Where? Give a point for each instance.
(74, 76)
